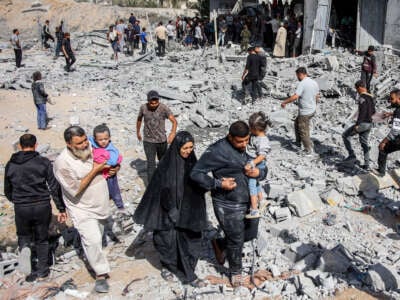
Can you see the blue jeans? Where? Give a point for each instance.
(41, 116)
(254, 185)
(114, 191)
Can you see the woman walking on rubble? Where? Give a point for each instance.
(173, 207)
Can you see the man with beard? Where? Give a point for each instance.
(86, 197)
(155, 140)
(226, 160)
(391, 142)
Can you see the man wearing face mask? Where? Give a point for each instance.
(85, 194)
(366, 108)
(391, 142)
(226, 160)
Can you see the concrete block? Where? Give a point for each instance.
(74, 120)
(371, 182)
(333, 63)
(333, 261)
(306, 263)
(305, 201)
(280, 117)
(282, 214)
(334, 198)
(282, 228)
(275, 191)
(381, 277)
(347, 186)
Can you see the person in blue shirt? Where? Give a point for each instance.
(143, 40)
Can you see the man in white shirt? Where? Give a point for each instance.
(170, 32)
(86, 198)
(16, 44)
(307, 94)
(161, 36)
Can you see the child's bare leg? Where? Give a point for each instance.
(254, 202)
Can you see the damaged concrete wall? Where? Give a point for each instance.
(310, 12)
(370, 23)
(392, 28)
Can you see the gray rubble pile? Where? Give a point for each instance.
(315, 223)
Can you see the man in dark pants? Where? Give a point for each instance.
(161, 36)
(68, 53)
(17, 47)
(226, 159)
(251, 74)
(28, 183)
(366, 108)
(391, 143)
(47, 34)
(368, 67)
(155, 141)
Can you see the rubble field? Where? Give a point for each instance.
(330, 231)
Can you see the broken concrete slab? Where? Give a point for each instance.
(371, 182)
(333, 261)
(382, 277)
(305, 201)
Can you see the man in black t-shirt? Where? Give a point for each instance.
(391, 142)
(366, 108)
(251, 74)
(68, 53)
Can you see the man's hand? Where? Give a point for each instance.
(139, 136)
(247, 167)
(387, 114)
(283, 105)
(376, 75)
(99, 167)
(113, 171)
(170, 138)
(228, 184)
(254, 172)
(62, 217)
(382, 145)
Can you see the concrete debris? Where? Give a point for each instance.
(205, 96)
(305, 201)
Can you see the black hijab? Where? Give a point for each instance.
(172, 199)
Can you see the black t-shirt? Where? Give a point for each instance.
(253, 67)
(366, 108)
(67, 45)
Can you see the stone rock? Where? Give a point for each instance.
(371, 182)
(305, 201)
(333, 261)
(280, 117)
(382, 277)
(334, 198)
(74, 120)
(198, 120)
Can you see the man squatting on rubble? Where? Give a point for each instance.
(307, 93)
(155, 141)
(391, 142)
(86, 197)
(28, 183)
(363, 126)
(226, 160)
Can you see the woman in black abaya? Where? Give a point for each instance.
(173, 207)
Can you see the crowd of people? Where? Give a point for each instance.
(84, 178)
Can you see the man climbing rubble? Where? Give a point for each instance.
(307, 94)
(368, 67)
(391, 142)
(366, 108)
(226, 160)
(251, 75)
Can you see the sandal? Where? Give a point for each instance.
(198, 283)
(167, 275)
(236, 280)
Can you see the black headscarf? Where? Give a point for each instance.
(172, 199)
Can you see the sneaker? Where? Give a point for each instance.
(350, 159)
(254, 214)
(34, 276)
(24, 261)
(378, 173)
(365, 167)
(101, 285)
